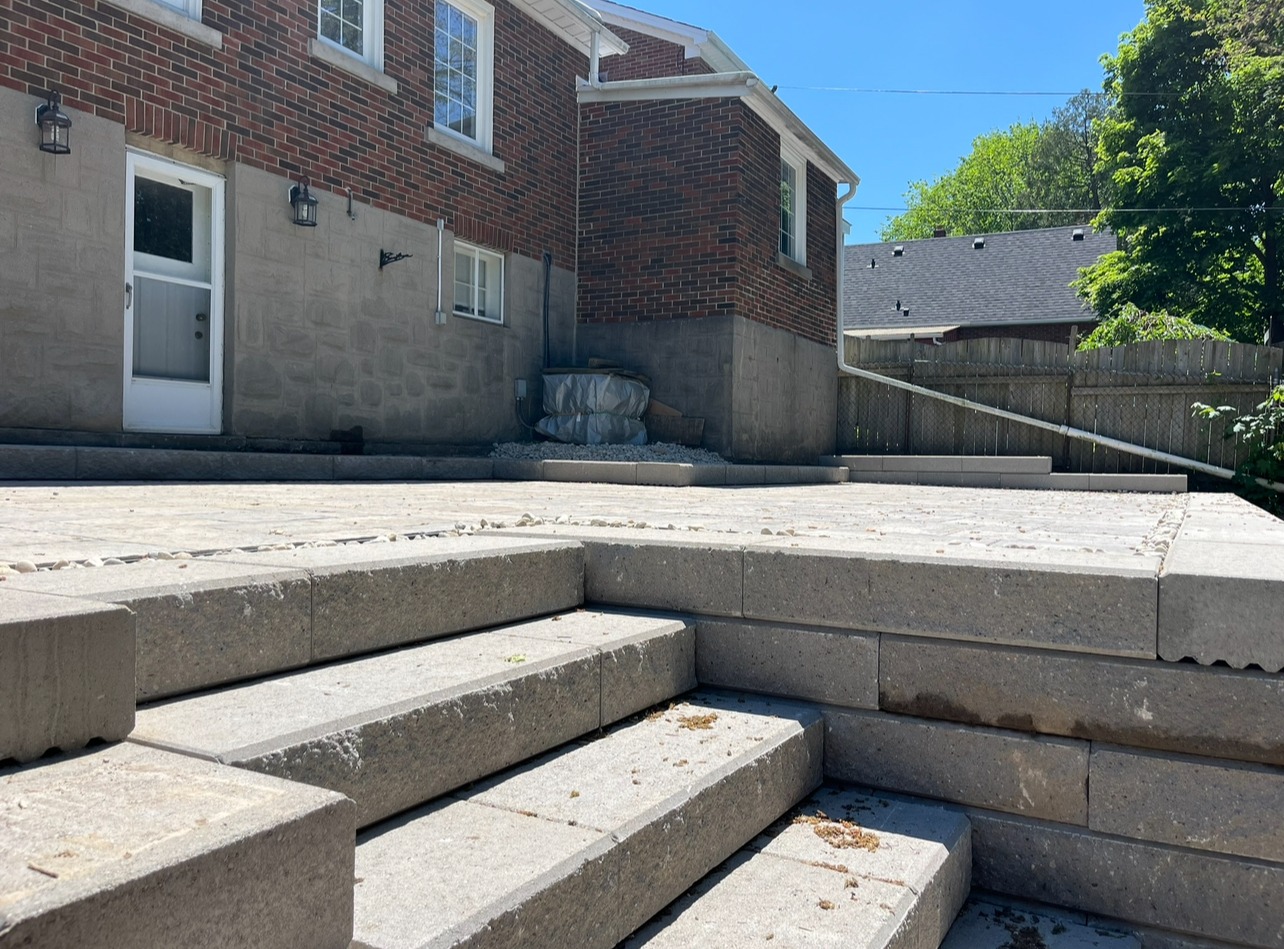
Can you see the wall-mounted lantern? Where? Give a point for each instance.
(55, 126)
(303, 204)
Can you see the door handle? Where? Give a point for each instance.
(129, 295)
(201, 317)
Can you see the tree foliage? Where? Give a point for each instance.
(1194, 145)
(1137, 326)
(1049, 165)
(1263, 431)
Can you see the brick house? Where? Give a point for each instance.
(440, 144)
(689, 271)
(1014, 285)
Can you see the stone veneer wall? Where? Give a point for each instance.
(321, 339)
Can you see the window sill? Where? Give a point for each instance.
(349, 63)
(476, 319)
(793, 266)
(172, 19)
(465, 150)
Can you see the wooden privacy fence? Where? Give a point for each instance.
(1140, 394)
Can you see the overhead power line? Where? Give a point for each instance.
(857, 207)
(971, 92)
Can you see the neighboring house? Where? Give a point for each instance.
(448, 131)
(1013, 285)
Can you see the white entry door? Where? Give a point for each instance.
(173, 297)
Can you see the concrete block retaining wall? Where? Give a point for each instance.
(1097, 775)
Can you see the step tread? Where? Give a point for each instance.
(995, 923)
(581, 846)
(87, 837)
(897, 878)
(480, 702)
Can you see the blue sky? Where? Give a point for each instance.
(891, 140)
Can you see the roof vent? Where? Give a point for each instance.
(1077, 235)
(978, 243)
(898, 250)
(873, 262)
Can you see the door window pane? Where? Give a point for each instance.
(171, 330)
(162, 220)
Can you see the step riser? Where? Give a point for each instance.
(619, 866)
(66, 673)
(213, 620)
(474, 722)
(797, 885)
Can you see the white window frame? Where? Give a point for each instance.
(798, 163)
(477, 254)
(371, 34)
(484, 14)
(189, 8)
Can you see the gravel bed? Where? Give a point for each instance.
(556, 451)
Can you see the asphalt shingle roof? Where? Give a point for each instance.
(1018, 277)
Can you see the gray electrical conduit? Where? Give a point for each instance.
(1065, 431)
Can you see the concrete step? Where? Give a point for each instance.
(397, 729)
(581, 847)
(131, 847)
(965, 471)
(994, 922)
(208, 620)
(66, 673)
(953, 464)
(846, 869)
(664, 474)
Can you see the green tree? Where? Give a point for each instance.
(1028, 167)
(1137, 326)
(1194, 145)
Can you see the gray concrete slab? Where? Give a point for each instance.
(1188, 802)
(1169, 483)
(66, 673)
(476, 704)
(378, 468)
(837, 667)
(1191, 891)
(200, 622)
(621, 824)
(996, 924)
(1035, 776)
(1175, 707)
(458, 469)
(129, 846)
(1102, 610)
(372, 596)
(795, 887)
(602, 472)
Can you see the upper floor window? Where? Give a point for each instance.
(463, 69)
(189, 8)
(793, 206)
(355, 26)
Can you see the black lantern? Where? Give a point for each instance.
(304, 204)
(55, 126)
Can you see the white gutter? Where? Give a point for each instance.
(1065, 431)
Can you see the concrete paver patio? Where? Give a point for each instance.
(43, 523)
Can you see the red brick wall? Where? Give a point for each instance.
(650, 58)
(680, 217)
(1040, 332)
(659, 210)
(263, 101)
(769, 292)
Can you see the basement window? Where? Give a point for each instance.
(793, 205)
(479, 283)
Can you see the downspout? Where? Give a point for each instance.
(1064, 431)
(441, 241)
(595, 59)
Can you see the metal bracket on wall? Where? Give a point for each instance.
(387, 257)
